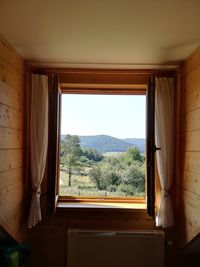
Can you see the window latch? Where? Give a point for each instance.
(156, 148)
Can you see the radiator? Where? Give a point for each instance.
(115, 248)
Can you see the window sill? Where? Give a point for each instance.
(105, 206)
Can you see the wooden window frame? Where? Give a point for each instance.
(53, 143)
(150, 146)
(103, 89)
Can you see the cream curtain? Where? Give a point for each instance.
(164, 138)
(38, 142)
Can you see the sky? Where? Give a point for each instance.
(121, 116)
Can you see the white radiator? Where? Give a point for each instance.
(115, 248)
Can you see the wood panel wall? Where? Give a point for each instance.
(12, 95)
(188, 182)
(48, 240)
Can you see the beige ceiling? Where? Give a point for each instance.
(102, 31)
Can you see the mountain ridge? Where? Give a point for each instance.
(105, 143)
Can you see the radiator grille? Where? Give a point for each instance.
(115, 248)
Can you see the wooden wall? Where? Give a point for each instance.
(12, 92)
(188, 178)
(48, 240)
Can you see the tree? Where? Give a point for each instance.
(95, 175)
(134, 176)
(106, 174)
(70, 154)
(134, 154)
(124, 173)
(91, 154)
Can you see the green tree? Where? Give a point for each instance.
(70, 154)
(124, 173)
(105, 173)
(95, 175)
(91, 154)
(135, 176)
(134, 154)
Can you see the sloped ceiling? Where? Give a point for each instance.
(102, 31)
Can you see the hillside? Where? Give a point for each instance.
(105, 143)
(140, 143)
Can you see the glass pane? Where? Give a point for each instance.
(103, 145)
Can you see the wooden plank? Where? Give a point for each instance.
(192, 234)
(13, 224)
(188, 213)
(11, 197)
(103, 76)
(83, 218)
(180, 226)
(11, 159)
(10, 139)
(189, 161)
(11, 118)
(190, 121)
(191, 181)
(188, 216)
(11, 217)
(193, 161)
(11, 201)
(190, 141)
(192, 61)
(191, 199)
(104, 79)
(11, 76)
(105, 91)
(191, 226)
(191, 91)
(186, 221)
(11, 97)
(11, 177)
(8, 53)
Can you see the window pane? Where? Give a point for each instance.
(103, 145)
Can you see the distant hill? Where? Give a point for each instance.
(106, 143)
(140, 143)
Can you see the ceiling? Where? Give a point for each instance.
(102, 32)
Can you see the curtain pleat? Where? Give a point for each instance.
(38, 142)
(164, 138)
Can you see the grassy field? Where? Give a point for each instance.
(82, 185)
(113, 154)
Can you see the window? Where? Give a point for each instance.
(101, 82)
(102, 146)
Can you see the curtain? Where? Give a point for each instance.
(164, 139)
(38, 142)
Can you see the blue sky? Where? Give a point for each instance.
(121, 116)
